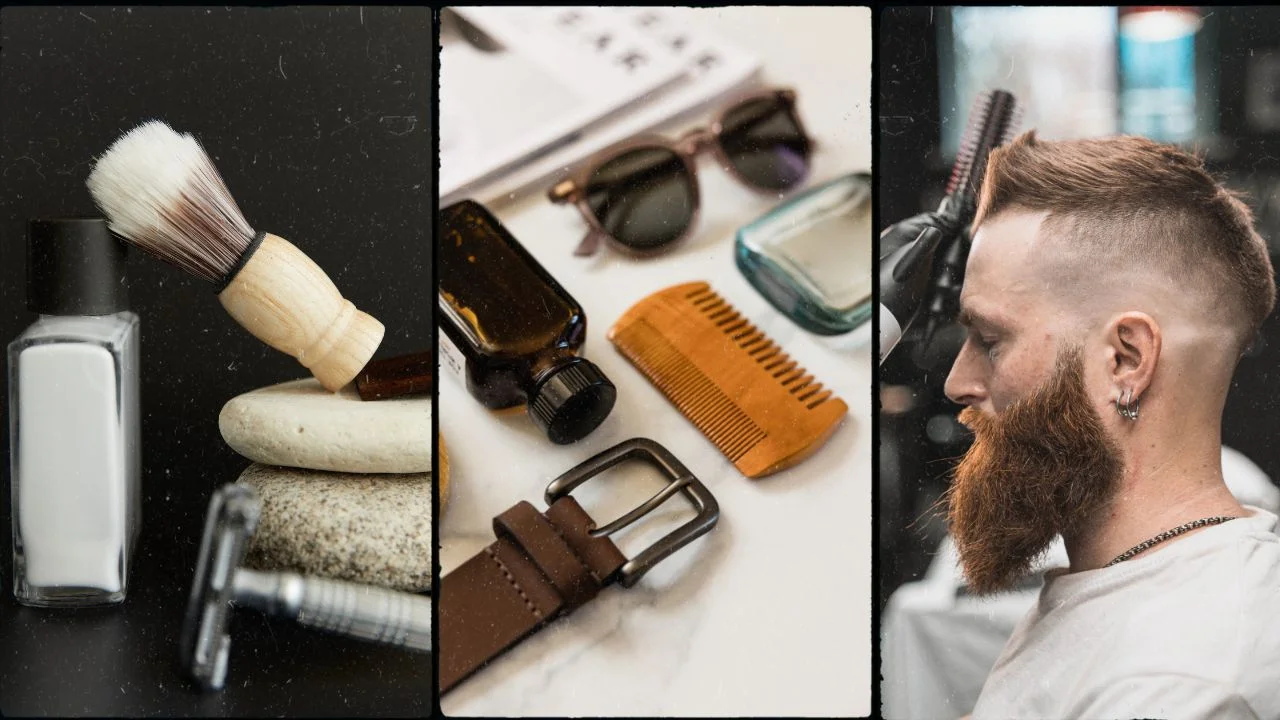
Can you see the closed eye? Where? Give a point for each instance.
(985, 343)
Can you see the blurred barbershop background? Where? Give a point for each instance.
(1204, 78)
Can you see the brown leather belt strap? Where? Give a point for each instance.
(542, 566)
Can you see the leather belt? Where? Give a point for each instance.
(543, 566)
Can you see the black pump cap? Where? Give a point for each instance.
(571, 401)
(75, 266)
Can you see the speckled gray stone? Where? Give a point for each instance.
(364, 528)
(300, 424)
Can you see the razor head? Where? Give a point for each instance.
(229, 524)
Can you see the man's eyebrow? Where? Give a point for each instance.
(969, 318)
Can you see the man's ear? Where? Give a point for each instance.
(1133, 346)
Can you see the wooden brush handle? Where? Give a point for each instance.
(287, 302)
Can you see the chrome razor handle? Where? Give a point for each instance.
(365, 612)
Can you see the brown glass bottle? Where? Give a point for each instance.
(510, 331)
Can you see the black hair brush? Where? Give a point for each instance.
(993, 120)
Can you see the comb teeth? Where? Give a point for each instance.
(757, 344)
(758, 406)
(693, 393)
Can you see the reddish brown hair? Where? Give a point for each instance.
(1132, 197)
(1044, 466)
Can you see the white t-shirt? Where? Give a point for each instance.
(1188, 630)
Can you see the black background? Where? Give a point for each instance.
(909, 167)
(319, 120)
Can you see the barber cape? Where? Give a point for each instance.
(1187, 630)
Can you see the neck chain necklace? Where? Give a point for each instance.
(1167, 534)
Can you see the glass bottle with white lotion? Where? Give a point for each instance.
(75, 460)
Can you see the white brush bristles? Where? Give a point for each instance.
(162, 193)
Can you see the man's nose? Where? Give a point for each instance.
(964, 385)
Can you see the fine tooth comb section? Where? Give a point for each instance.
(758, 406)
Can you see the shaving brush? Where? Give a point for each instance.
(161, 193)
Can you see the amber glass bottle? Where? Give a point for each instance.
(510, 331)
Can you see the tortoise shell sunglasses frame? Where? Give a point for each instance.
(686, 148)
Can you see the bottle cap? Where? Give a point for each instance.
(75, 266)
(571, 401)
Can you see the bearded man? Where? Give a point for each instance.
(1111, 288)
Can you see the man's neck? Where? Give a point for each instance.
(1164, 485)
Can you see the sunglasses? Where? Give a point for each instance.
(641, 195)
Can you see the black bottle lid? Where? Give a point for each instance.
(75, 266)
(571, 401)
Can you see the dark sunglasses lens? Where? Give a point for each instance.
(763, 141)
(644, 197)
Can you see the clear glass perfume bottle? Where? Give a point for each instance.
(74, 421)
(811, 256)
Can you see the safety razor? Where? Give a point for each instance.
(365, 612)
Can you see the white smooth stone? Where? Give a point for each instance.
(300, 424)
(372, 529)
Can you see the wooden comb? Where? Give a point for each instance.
(761, 409)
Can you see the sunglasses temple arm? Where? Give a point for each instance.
(562, 192)
(590, 243)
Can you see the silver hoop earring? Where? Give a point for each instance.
(1129, 410)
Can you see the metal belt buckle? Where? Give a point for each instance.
(681, 480)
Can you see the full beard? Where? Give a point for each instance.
(1043, 467)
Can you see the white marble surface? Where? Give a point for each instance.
(769, 614)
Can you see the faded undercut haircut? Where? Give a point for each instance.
(1127, 197)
